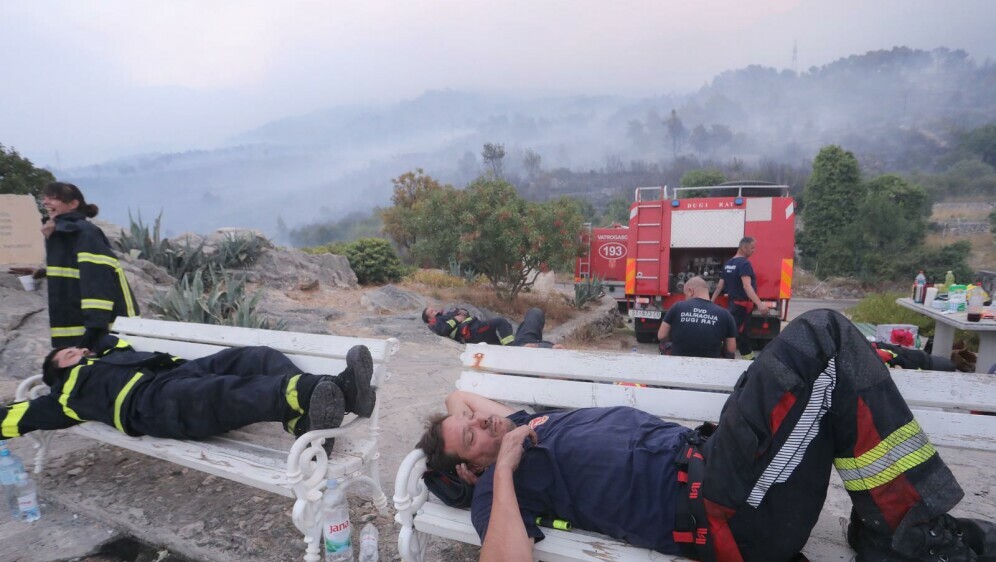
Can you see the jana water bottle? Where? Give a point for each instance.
(10, 467)
(368, 543)
(27, 498)
(336, 529)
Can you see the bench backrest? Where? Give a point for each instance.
(313, 353)
(692, 390)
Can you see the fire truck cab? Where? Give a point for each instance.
(677, 234)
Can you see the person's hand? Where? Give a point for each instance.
(466, 474)
(511, 447)
(763, 309)
(48, 227)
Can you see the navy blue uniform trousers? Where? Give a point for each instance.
(221, 392)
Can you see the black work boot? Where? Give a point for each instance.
(980, 536)
(355, 381)
(939, 540)
(326, 408)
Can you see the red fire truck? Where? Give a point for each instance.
(605, 259)
(680, 233)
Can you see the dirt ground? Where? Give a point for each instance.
(93, 493)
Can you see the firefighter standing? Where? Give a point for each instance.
(87, 288)
(741, 287)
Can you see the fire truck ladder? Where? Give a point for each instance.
(649, 212)
(584, 262)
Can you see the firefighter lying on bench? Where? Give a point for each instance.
(818, 396)
(152, 393)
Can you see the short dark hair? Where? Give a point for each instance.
(425, 315)
(51, 371)
(433, 446)
(746, 240)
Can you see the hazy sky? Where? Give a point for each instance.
(85, 80)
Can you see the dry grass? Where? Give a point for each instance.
(969, 211)
(983, 254)
(434, 278)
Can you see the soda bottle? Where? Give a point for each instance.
(368, 543)
(27, 498)
(10, 467)
(919, 286)
(949, 278)
(335, 524)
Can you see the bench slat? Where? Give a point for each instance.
(558, 546)
(920, 388)
(954, 429)
(229, 336)
(190, 350)
(254, 466)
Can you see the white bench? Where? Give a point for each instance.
(299, 471)
(686, 390)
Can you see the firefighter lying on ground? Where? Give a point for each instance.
(751, 488)
(152, 393)
(459, 325)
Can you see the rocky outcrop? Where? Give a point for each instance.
(390, 299)
(24, 336)
(292, 269)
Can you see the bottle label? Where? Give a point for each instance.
(337, 537)
(334, 546)
(27, 502)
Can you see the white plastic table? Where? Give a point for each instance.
(946, 323)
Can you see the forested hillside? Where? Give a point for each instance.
(897, 110)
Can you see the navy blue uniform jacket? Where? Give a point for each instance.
(608, 470)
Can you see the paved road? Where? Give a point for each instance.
(799, 306)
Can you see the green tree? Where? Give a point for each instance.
(373, 260)
(890, 225)
(19, 176)
(702, 178)
(616, 211)
(410, 188)
(493, 155)
(992, 221)
(982, 141)
(532, 162)
(502, 236)
(677, 132)
(436, 221)
(833, 195)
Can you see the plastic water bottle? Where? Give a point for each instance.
(10, 467)
(27, 498)
(368, 543)
(336, 529)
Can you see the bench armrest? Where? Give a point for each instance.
(30, 388)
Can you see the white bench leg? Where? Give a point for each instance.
(410, 494)
(42, 440)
